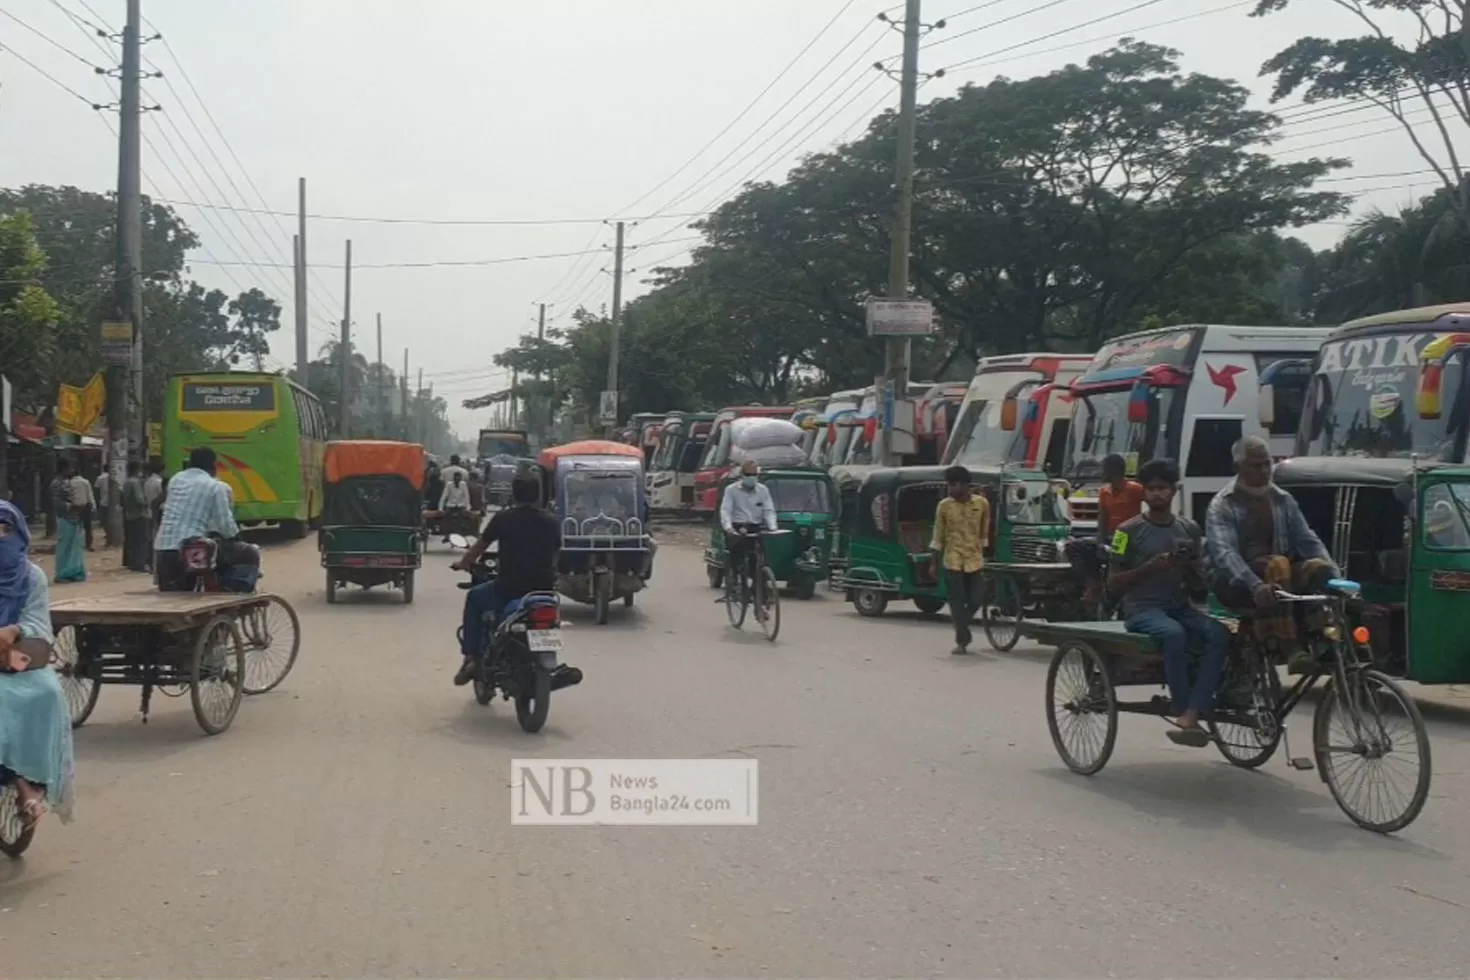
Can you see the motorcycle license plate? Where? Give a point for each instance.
(544, 641)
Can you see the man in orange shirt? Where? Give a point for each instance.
(1119, 500)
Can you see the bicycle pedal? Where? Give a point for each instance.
(1302, 763)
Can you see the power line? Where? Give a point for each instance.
(51, 78)
(746, 111)
(51, 41)
(948, 38)
(969, 10)
(439, 263)
(378, 219)
(1048, 36)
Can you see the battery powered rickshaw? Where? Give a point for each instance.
(892, 521)
(596, 489)
(805, 506)
(848, 482)
(371, 515)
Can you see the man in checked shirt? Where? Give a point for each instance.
(197, 506)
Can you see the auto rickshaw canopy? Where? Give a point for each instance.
(375, 457)
(586, 447)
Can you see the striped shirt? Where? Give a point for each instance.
(197, 505)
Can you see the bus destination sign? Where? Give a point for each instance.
(229, 398)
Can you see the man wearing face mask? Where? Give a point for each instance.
(746, 509)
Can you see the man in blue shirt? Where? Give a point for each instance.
(197, 506)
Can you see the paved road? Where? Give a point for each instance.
(914, 820)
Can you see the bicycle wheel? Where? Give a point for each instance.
(1363, 733)
(1081, 708)
(81, 690)
(735, 597)
(272, 640)
(15, 836)
(1251, 744)
(1000, 613)
(768, 604)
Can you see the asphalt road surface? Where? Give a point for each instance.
(914, 820)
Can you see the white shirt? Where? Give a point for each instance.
(152, 487)
(455, 495)
(448, 474)
(103, 482)
(81, 492)
(742, 506)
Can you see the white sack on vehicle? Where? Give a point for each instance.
(761, 433)
(770, 456)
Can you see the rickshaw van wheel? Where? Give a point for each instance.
(804, 588)
(408, 589)
(628, 600)
(1080, 694)
(869, 602)
(928, 605)
(715, 574)
(331, 589)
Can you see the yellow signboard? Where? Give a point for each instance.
(78, 409)
(155, 438)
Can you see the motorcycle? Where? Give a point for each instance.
(520, 656)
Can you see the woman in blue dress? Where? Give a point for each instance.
(35, 721)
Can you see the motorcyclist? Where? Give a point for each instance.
(529, 539)
(197, 506)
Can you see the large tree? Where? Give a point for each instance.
(1420, 77)
(28, 315)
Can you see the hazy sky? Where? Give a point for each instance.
(554, 110)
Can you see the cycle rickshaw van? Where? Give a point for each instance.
(596, 489)
(371, 514)
(805, 506)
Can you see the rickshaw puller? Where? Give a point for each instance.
(1155, 568)
(1257, 541)
(529, 540)
(747, 507)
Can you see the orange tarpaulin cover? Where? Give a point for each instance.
(588, 447)
(375, 457)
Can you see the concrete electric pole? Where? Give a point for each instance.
(125, 415)
(897, 349)
(617, 319)
(381, 394)
(302, 356)
(344, 354)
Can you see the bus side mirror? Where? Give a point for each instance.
(1404, 494)
(1008, 412)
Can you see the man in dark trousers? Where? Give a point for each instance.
(529, 539)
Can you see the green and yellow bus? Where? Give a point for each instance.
(269, 434)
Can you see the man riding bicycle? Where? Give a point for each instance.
(746, 509)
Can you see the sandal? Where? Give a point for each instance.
(1195, 738)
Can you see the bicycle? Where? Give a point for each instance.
(741, 592)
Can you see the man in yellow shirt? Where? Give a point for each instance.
(961, 530)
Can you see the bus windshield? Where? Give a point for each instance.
(503, 444)
(978, 438)
(1363, 403)
(669, 446)
(1100, 426)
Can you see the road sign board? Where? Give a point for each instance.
(117, 342)
(607, 408)
(900, 317)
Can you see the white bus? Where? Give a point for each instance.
(1186, 393)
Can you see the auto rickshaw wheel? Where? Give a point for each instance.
(869, 602)
(628, 601)
(602, 598)
(715, 574)
(331, 588)
(408, 588)
(804, 587)
(928, 605)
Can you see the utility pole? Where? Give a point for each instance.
(344, 352)
(302, 357)
(381, 396)
(617, 318)
(125, 377)
(298, 275)
(896, 354)
(418, 407)
(403, 398)
(513, 381)
(542, 398)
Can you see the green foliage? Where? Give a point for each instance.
(28, 314)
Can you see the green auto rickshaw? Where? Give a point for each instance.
(888, 555)
(848, 482)
(372, 514)
(806, 504)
